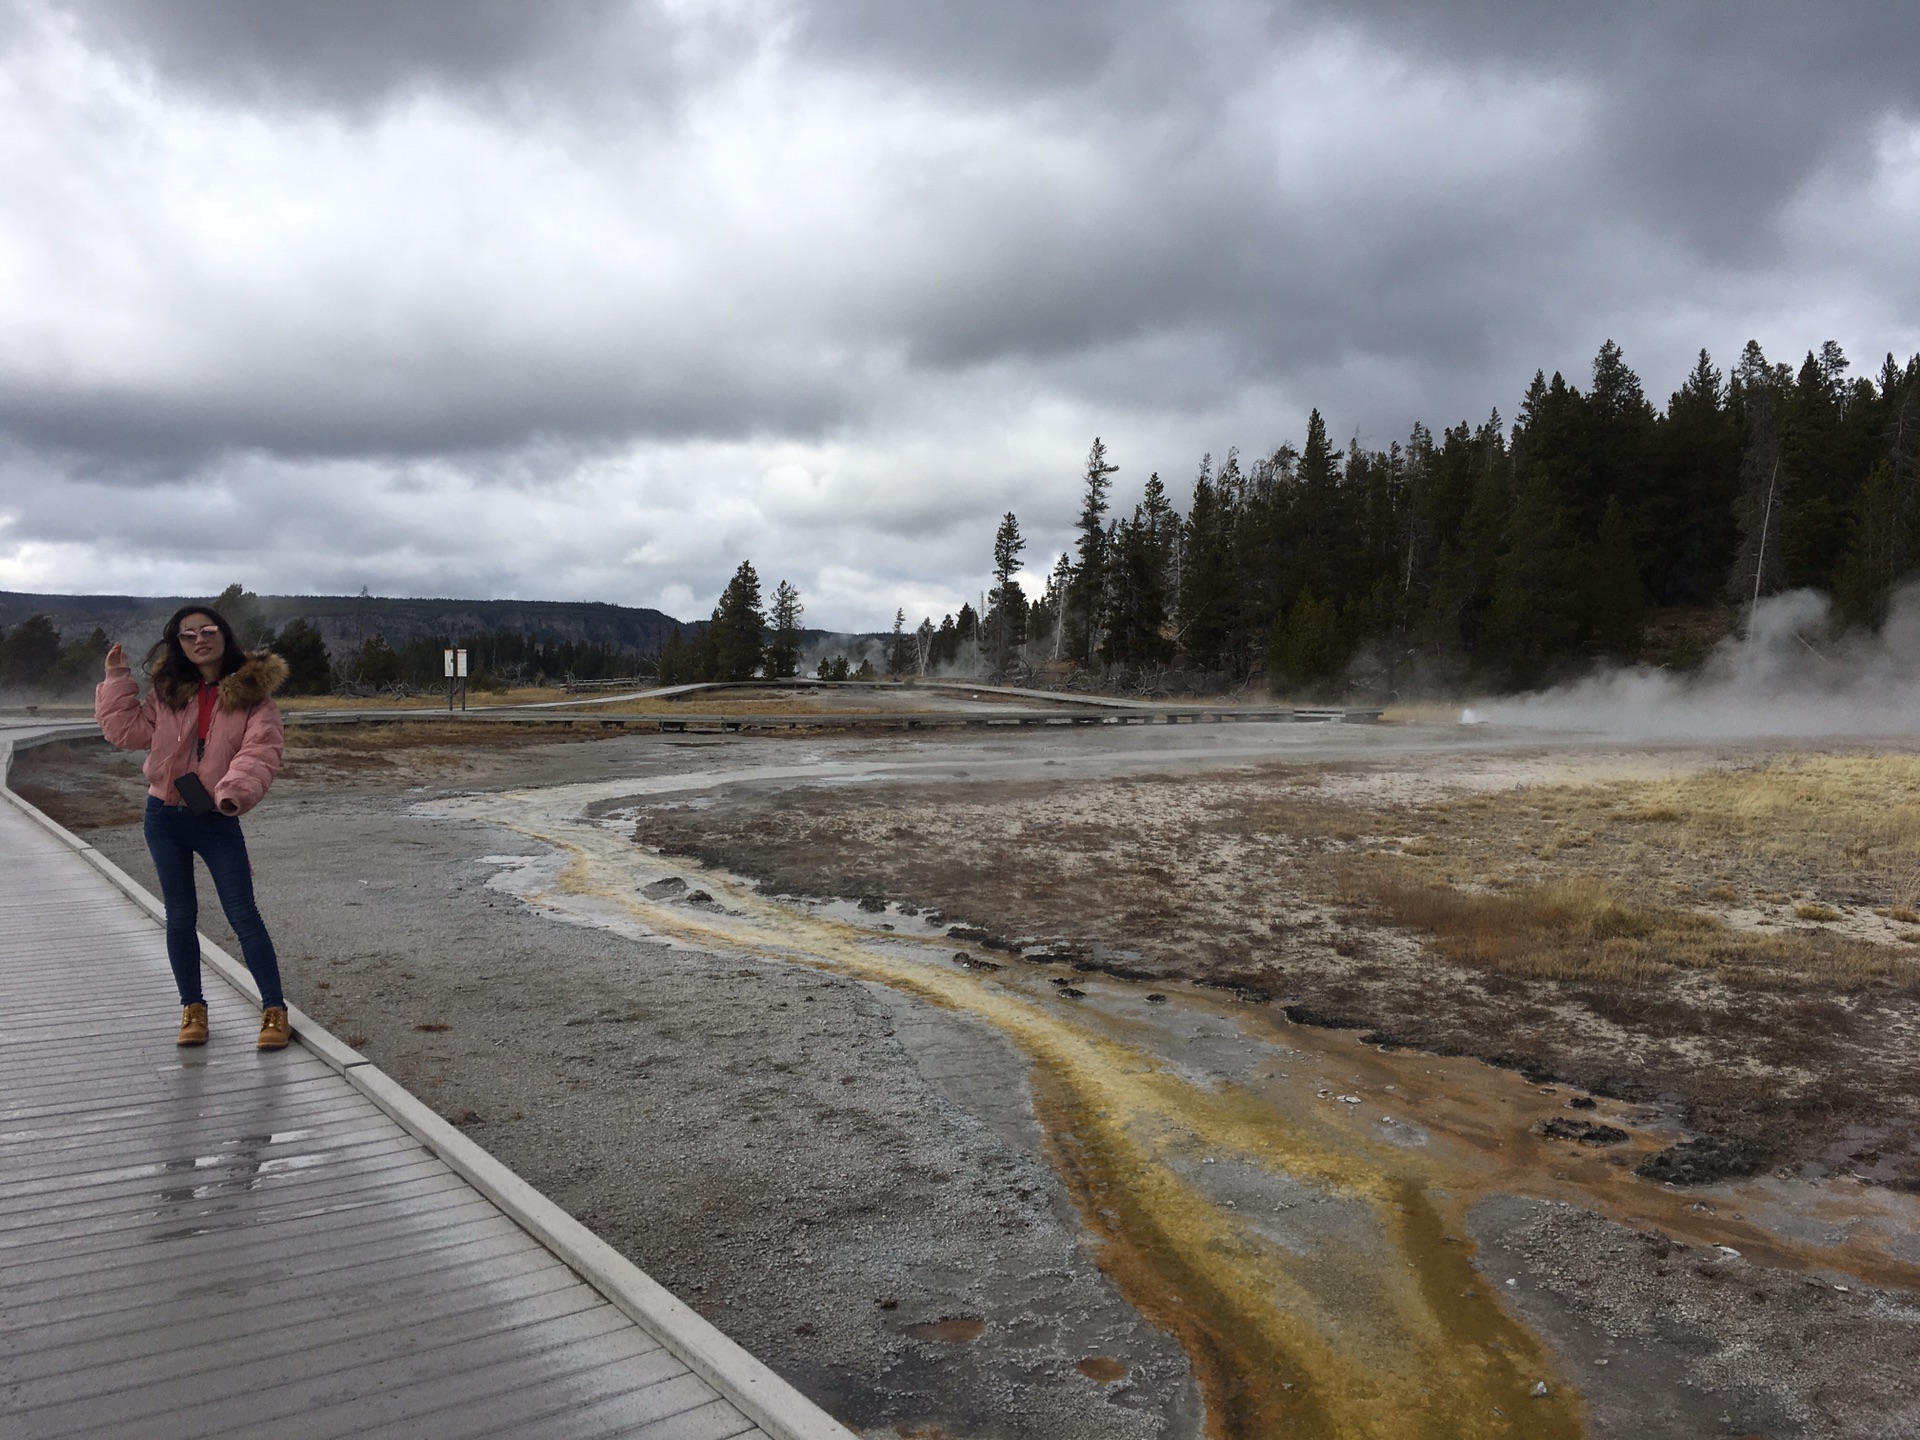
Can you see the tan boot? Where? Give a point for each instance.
(193, 1025)
(274, 1032)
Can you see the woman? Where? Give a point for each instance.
(209, 714)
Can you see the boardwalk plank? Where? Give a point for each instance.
(222, 1242)
(472, 1405)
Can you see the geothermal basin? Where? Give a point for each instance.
(1259, 1080)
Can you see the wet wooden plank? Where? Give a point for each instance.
(223, 1242)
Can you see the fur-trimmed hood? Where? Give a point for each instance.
(259, 675)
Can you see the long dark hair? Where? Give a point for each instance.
(166, 660)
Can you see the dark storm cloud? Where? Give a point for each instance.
(1712, 114)
(997, 44)
(858, 271)
(342, 51)
(447, 402)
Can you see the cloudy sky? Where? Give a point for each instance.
(590, 299)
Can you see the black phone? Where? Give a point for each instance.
(194, 793)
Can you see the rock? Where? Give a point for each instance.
(1540, 1391)
(1582, 1102)
(1156, 999)
(1706, 1158)
(872, 904)
(1582, 1132)
(1073, 994)
(699, 897)
(664, 889)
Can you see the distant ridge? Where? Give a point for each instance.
(345, 621)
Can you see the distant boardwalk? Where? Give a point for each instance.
(218, 1241)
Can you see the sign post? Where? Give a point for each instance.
(460, 669)
(447, 656)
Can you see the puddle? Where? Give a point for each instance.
(1289, 1202)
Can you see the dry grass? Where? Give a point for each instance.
(1810, 830)
(703, 702)
(437, 700)
(418, 746)
(1590, 931)
(1854, 816)
(1581, 929)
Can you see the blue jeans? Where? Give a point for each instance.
(174, 836)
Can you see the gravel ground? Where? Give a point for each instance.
(1689, 1340)
(825, 1170)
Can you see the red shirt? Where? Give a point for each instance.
(209, 694)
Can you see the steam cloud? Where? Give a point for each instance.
(1785, 678)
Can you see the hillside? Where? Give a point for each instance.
(345, 621)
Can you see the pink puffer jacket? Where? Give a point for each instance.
(243, 742)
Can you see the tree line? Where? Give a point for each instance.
(742, 639)
(34, 657)
(1487, 555)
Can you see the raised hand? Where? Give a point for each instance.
(116, 658)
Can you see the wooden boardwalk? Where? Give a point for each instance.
(219, 1242)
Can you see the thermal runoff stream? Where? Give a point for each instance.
(1289, 1202)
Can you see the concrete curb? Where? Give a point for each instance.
(761, 1395)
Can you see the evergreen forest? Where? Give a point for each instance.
(1598, 527)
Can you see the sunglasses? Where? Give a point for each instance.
(194, 637)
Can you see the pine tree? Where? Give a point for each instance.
(1815, 496)
(309, 666)
(1612, 605)
(1137, 601)
(1316, 518)
(241, 609)
(1087, 594)
(1757, 568)
(783, 653)
(1696, 465)
(1054, 603)
(30, 651)
(1006, 602)
(1307, 644)
(671, 666)
(900, 646)
(946, 644)
(377, 666)
(1528, 625)
(1162, 525)
(1207, 608)
(738, 630)
(1616, 460)
(1883, 550)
